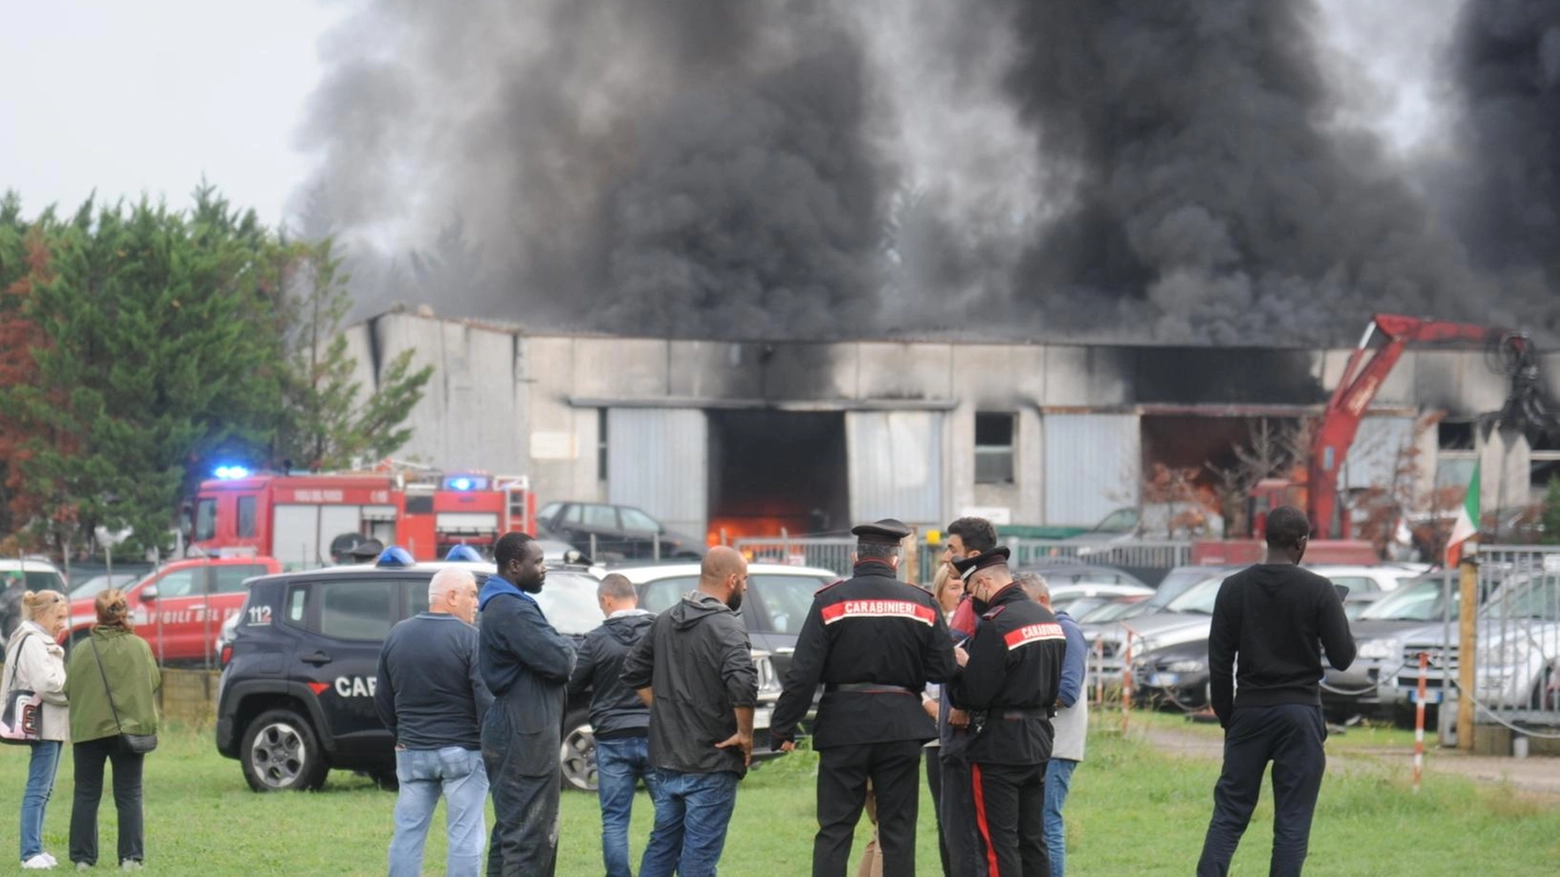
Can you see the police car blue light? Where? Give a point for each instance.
(395, 556)
(463, 552)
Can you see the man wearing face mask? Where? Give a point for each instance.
(695, 670)
(873, 642)
(526, 665)
(1010, 678)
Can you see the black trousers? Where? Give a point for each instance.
(956, 820)
(89, 757)
(525, 818)
(1290, 736)
(1010, 818)
(842, 791)
(934, 774)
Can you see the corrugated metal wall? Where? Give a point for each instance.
(1377, 450)
(657, 459)
(1093, 464)
(896, 465)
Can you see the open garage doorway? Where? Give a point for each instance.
(777, 469)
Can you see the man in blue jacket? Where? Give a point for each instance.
(620, 721)
(526, 665)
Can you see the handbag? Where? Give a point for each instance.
(135, 744)
(20, 720)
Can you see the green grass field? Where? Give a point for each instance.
(1133, 811)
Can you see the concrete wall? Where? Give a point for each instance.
(511, 402)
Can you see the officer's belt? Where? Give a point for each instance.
(866, 688)
(1038, 712)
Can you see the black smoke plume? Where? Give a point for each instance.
(1506, 57)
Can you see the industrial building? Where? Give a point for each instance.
(749, 436)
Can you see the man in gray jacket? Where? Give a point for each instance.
(1070, 725)
(695, 670)
(526, 664)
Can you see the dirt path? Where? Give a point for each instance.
(1536, 776)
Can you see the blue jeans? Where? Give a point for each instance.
(35, 801)
(692, 811)
(620, 764)
(424, 774)
(1058, 777)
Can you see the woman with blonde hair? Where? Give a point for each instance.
(35, 662)
(947, 588)
(112, 684)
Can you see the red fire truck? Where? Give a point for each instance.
(308, 520)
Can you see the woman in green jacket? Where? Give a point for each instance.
(128, 671)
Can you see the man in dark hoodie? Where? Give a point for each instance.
(695, 670)
(618, 718)
(526, 665)
(1277, 618)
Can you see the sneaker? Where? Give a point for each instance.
(83, 866)
(38, 863)
(52, 861)
(130, 865)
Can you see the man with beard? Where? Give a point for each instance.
(526, 665)
(695, 670)
(874, 642)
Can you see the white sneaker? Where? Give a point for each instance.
(38, 863)
(52, 861)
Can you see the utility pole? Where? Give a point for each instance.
(1467, 654)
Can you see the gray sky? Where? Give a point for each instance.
(132, 96)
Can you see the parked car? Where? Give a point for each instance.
(1153, 521)
(606, 532)
(1369, 686)
(179, 607)
(296, 695)
(40, 575)
(1174, 676)
(778, 599)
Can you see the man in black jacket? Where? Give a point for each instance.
(1277, 618)
(695, 670)
(873, 642)
(1009, 681)
(526, 664)
(619, 719)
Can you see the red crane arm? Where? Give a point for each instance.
(1367, 369)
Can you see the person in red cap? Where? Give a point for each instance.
(873, 642)
(1010, 675)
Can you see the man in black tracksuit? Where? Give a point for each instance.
(526, 664)
(1009, 681)
(873, 642)
(619, 720)
(1276, 617)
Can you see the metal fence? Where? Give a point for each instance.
(1517, 653)
(1131, 555)
(828, 552)
(834, 552)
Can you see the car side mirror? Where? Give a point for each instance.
(148, 593)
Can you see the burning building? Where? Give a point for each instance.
(749, 436)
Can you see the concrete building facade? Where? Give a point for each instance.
(749, 435)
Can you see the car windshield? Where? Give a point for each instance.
(1118, 521)
(1420, 601)
(568, 599)
(1174, 585)
(787, 598)
(98, 584)
(1199, 598)
(1527, 598)
(1110, 611)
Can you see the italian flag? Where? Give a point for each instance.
(1467, 525)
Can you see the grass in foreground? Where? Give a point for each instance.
(1132, 811)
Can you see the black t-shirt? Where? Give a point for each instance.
(1273, 621)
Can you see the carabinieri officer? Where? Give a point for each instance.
(873, 642)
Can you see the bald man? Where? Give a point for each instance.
(695, 670)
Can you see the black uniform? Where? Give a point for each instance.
(873, 642)
(1009, 684)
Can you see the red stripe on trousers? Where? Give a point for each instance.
(980, 821)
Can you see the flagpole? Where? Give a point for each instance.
(1467, 622)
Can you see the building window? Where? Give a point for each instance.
(601, 444)
(994, 448)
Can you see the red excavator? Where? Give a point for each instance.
(1385, 340)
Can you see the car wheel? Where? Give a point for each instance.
(386, 780)
(280, 752)
(577, 755)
